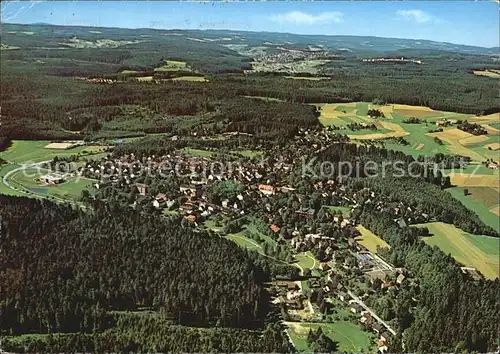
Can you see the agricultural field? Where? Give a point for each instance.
(249, 153)
(306, 261)
(244, 242)
(420, 140)
(172, 65)
(23, 151)
(346, 211)
(369, 240)
(300, 66)
(190, 78)
(310, 78)
(488, 73)
(348, 336)
(144, 79)
(4, 169)
(251, 228)
(28, 180)
(484, 201)
(197, 152)
(480, 252)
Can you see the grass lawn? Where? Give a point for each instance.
(349, 337)
(480, 252)
(190, 78)
(311, 78)
(33, 150)
(369, 240)
(481, 200)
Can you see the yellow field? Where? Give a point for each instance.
(491, 130)
(63, 145)
(369, 240)
(467, 180)
(488, 73)
(492, 146)
(463, 248)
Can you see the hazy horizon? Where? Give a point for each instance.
(432, 21)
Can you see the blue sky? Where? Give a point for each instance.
(463, 22)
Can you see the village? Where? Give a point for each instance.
(310, 224)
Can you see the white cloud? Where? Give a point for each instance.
(299, 17)
(417, 16)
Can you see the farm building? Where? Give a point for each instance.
(52, 179)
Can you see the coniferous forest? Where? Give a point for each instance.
(270, 257)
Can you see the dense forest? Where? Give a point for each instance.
(64, 271)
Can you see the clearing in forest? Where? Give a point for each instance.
(480, 252)
(22, 151)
